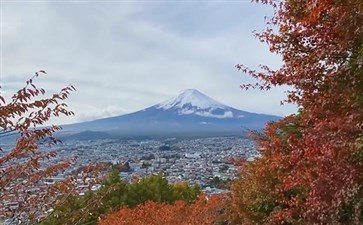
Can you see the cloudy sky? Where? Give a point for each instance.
(123, 56)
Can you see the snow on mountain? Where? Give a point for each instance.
(191, 112)
(192, 97)
(192, 101)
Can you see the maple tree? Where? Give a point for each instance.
(310, 167)
(25, 165)
(204, 211)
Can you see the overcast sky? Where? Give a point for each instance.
(123, 56)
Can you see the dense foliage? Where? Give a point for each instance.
(204, 211)
(310, 166)
(115, 194)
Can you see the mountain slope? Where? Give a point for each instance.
(189, 112)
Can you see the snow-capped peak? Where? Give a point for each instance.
(193, 102)
(191, 98)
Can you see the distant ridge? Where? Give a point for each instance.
(190, 112)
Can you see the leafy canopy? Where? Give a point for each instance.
(311, 161)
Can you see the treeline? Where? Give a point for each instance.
(115, 194)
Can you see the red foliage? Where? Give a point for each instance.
(23, 166)
(317, 154)
(205, 211)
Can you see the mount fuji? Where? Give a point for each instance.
(191, 112)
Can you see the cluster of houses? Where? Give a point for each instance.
(197, 161)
